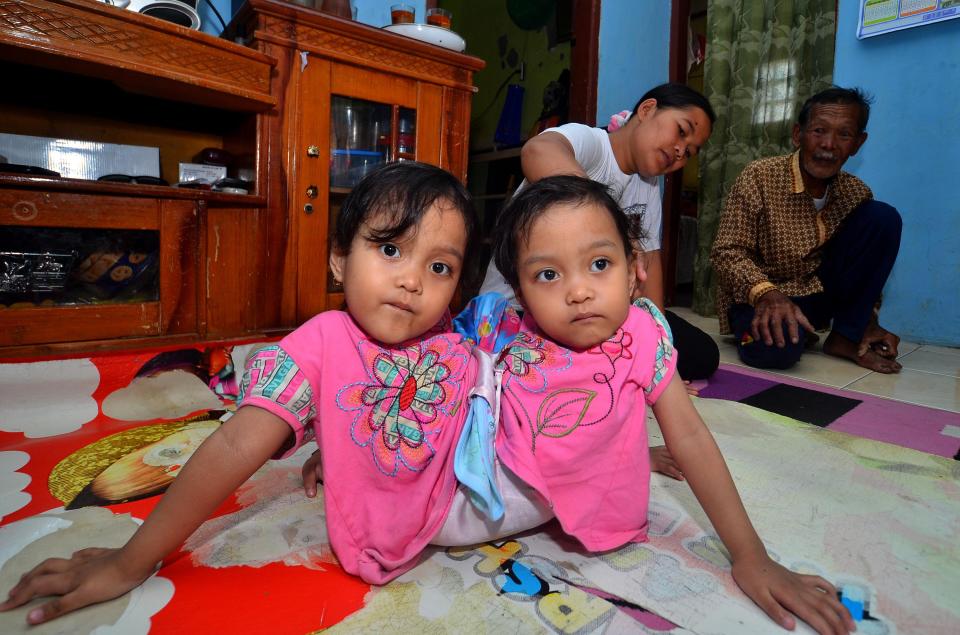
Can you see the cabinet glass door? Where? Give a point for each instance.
(55, 266)
(364, 134)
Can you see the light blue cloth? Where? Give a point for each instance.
(491, 323)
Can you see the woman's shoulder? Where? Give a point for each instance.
(580, 132)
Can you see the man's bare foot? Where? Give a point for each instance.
(839, 346)
(661, 461)
(880, 340)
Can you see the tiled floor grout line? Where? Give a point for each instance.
(930, 372)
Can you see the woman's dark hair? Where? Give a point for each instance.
(678, 96)
(402, 192)
(842, 96)
(516, 219)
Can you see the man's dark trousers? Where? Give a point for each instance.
(856, 263)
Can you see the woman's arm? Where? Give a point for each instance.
(652, 287)
(221, 464)
(767, 583)
(548, 154)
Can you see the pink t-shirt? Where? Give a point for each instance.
(573, 424)
(387, 440)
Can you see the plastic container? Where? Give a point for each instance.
(347, 167)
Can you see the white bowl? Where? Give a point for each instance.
(431, 34)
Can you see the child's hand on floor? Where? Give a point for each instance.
(661, 461)
(89, 576)
(312, 474)
(778, 590)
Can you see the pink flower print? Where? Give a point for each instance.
(529, 358)
(403, 404)
(616, 347)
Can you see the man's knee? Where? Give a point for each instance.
(757, 354)
(884, 217)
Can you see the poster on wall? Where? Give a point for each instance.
(883, 16)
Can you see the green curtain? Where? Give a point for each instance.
(763, 59)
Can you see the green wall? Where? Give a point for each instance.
(493, 37)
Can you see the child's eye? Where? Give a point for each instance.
(547, 275)
(389, 250)
(441, 269)
(683, 133)
(599, 264)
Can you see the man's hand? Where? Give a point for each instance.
(772, 311)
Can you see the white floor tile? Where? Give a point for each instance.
(906, 348)
(813, 366)
(932, 360)
(913, 386)
(942, 350)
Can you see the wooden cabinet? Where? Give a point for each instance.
(414, 99)
(91, 264)
(274, 93)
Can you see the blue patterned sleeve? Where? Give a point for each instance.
(488, 321)
(665, 355)
(273, 381)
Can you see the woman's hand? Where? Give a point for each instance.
(778, 590)
(312, 473)
(89, 576)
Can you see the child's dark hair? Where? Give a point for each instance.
(403, 192)
(516, 219)
(842, 96)
(678, 96)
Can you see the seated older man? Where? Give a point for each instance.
(802, 243)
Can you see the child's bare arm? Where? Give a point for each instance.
(222, 463)
(774, 588)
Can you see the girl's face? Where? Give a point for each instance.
(662, 140)
(575, 276)
(399, 290)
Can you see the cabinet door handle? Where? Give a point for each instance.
(312, 191)
(313, 151)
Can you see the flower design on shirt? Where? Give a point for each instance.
(529, 357)
(403, 403)
(616, 347)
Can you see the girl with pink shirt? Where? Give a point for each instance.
(391, 381)
(576, 381)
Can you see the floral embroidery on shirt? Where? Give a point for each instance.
(403, 404)
(529, 357)
(616, 347)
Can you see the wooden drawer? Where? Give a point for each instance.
(170, 226)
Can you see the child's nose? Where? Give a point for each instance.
(579, 291)
(409, 279)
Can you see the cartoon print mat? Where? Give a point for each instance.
(878, 520)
